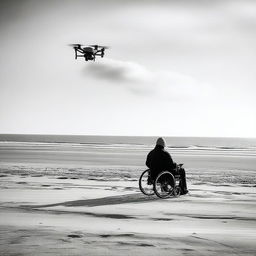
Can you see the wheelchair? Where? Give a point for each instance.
(165, 185)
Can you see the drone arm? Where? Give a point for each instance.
(100, 52)
(75, 53)
(79, 50)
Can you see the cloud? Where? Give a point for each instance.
(118, 71)
(139, 80)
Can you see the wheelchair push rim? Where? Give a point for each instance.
(146, 187)
(164, 185)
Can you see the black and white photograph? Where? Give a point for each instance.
(127, 127)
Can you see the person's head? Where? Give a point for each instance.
(160, 142)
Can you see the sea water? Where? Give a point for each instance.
(118, 157)
(214, 142)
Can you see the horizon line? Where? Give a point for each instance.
(111, 135)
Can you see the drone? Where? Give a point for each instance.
(89, 52)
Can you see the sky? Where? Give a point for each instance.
(174, 68)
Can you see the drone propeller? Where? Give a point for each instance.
(75, 45)
(101, 46)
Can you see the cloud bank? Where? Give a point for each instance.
(139, 80)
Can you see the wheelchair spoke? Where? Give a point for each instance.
(145, 184)
(164, 184)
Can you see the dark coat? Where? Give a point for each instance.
(159, 160)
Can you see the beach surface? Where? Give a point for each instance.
(85, 200)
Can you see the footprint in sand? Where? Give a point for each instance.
(145, 245)
(75, 236)
(116, 235)
(128, 188)
(187, 250)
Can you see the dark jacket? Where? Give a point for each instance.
(159, 160)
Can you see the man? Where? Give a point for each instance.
(159, 160)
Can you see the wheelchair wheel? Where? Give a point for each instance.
(146, 186)
(177, 191)
(164, 184)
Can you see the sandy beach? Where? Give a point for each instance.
(93, 206)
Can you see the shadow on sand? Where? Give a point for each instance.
(110, 200)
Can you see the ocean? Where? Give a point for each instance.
(123, 157)
(214, 142)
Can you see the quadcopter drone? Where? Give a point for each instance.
(89, 52)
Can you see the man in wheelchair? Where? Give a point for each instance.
(159, 160)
